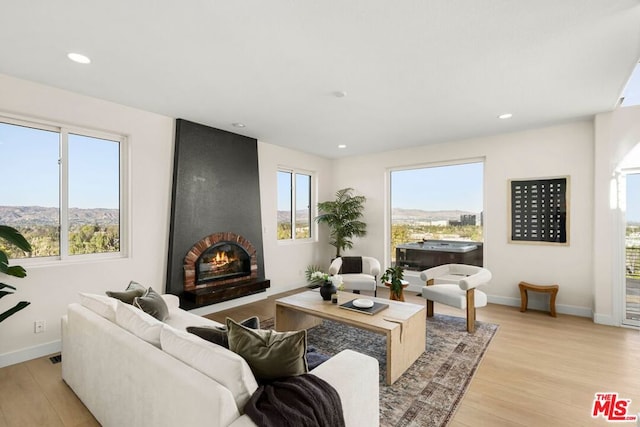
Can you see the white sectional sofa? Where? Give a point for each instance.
(130, 370)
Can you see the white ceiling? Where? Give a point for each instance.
(415, 71)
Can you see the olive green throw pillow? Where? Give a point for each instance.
(270, 354)
(134, 289)
(152, 303)
(219, 334)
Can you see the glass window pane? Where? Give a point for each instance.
(284, 205)
(303, 206)
(31, 203)
(436, 203)
(94, 195)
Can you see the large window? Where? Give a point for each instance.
(61, 179)
(442, 202)
(294, 205)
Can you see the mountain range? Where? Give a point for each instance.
(399, 215)
(39, 215)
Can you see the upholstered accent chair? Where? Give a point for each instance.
(455, 285)
(358, 273)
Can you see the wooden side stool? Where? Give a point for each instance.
(549, 289)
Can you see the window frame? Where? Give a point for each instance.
(64, 130)
(389, 208)
(312, 205)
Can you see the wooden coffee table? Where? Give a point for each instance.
(404, 324)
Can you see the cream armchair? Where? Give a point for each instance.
(455, 285)
(357, 276)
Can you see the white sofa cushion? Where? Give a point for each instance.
(359, 281)
(216, 362)
(172, 301)
(100, 304)
(452, 295)
(138, 323)
(181, 319)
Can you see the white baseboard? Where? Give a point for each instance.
(542, 305)
(533, 304)
(605, 319)
(29, 353)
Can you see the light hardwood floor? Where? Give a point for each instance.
(538, 371)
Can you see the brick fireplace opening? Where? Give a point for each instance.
(220, 267)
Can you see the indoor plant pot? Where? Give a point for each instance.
(392, 278)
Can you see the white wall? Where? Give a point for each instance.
(50, 288)
(286, 261)
(554, 151)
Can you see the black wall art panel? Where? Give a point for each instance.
(539, 210)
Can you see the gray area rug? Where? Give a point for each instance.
(431, 390)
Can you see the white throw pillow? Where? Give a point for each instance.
(218, 363)
(138, 323)
(100, 304)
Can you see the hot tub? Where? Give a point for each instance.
(418, 256)
(441, 246)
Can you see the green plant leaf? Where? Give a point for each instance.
(342, 216)
(4, 285)
(14, 237)
(4, 293)
(19, 306)
(16, 271)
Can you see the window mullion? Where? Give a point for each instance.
(64, 194)
(293, 206)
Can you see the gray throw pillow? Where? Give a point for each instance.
(219, 334)
(152, 303)
(134, 289)
(270, 354)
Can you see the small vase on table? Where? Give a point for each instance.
(327, 289)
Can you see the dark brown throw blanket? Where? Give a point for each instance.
(302, 401)
(351, 264)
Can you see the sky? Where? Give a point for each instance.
(284, 191)
(29, 159)
(633, 197)
(439, 188)
(631, 91)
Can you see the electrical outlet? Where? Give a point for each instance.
(38, 326)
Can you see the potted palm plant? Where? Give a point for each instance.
(342, 216)
(13, 236)
(392, 278)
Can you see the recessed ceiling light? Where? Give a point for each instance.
(342, 146)
(505, 116)
(340, 94)
(238, 125)
(79, 58)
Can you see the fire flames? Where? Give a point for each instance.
(220, 260)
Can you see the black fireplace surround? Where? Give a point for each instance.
(211, 168)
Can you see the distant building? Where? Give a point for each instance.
(468, 219)
(464, 220)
